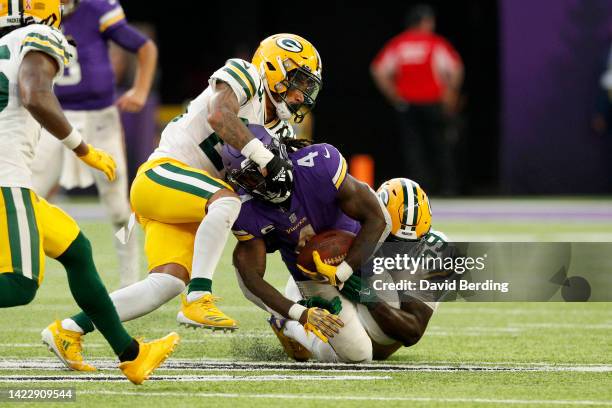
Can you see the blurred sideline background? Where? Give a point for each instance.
(527, 106)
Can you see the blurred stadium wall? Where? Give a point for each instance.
(531, 76)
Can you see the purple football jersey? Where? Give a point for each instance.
(319, 171)
(89, 82)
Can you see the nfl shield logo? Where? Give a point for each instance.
(292, 218)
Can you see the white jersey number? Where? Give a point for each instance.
(308, 160)
(72, 72)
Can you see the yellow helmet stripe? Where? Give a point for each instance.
(246, 74)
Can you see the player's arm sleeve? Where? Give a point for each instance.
(241, 76)
(127, 37)
(110, 15)
(49, 41)
(335, 166)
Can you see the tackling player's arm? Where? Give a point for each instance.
(407, 324)
(250, 261)
(359, 202)
(35, 81)
(223, 117)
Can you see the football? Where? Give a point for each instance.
(332, 246)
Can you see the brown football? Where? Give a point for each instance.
(332, 246)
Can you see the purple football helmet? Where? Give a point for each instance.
(246, 174)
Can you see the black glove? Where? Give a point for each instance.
(280, 177)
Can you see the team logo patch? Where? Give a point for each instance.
(289, 44)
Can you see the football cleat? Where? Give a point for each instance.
(293, 349)
(204, 313)
(67, 346)
(150, 356)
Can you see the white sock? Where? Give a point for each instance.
(129, 260)
(140, 298)
(69, 324)
(146, 295)
(320, 350)
(212, 235)
(195, 295)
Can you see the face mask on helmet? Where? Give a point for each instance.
(245, 173)
(308, 85)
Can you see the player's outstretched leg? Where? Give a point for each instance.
(138, 359)
(198, 308)
(16, 290)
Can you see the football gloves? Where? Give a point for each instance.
(355, 291)
(99, 159)
(333, 306)
(321, 323)
(279, 177)
(324, 272)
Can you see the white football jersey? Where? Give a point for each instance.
(19, 131)
(191, 140)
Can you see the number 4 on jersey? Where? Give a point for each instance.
(308, 160)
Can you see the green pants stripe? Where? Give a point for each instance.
(34, 233)
(178, 185)
(206, 179)
(13, 229)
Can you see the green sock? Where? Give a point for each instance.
(200, 285)
(91, 295)
(16, 290)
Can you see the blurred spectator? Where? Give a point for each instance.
(140, 128)
(420, 74)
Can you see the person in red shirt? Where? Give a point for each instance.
(420, 73)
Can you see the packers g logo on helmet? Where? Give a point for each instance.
(288, 61)
(289, 44)
(23, 12)
(408, 207)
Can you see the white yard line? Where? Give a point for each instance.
(470, 401)
(186, 378)
(249, 366)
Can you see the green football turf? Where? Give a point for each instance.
(538, 354)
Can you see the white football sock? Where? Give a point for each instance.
(147, 295)
(212, 235)
(140, 298)
(320, 350)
